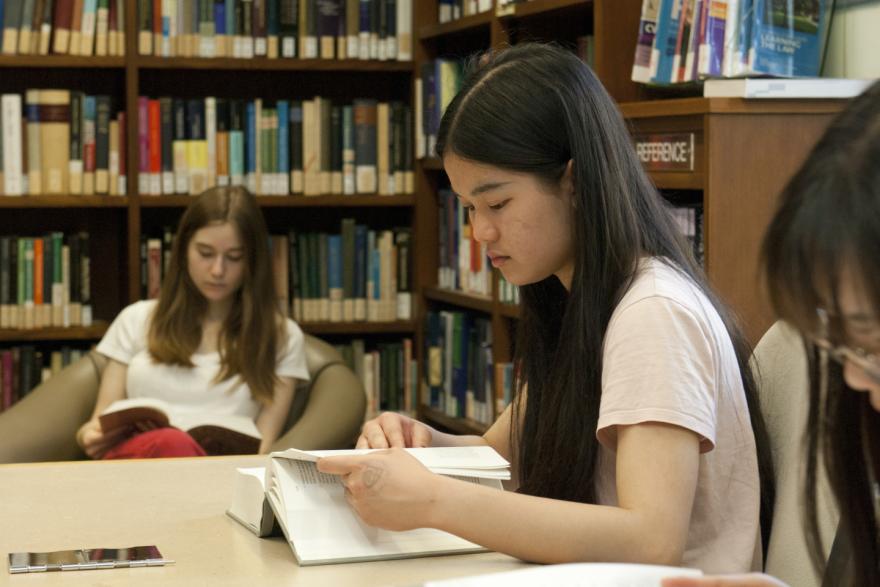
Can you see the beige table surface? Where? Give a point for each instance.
(179, 505)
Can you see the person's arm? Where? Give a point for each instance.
(272, 416)
(657, 469)
(90, 436)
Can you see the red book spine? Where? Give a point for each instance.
(155, 138)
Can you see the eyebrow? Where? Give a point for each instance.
(488, 187)
(207, 246)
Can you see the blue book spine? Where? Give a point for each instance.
(360, 261)
(219, 18)
(250, 141)
(2, 11)
(744, 39)
(229, 12)
(283, 165)
(334, 260)
(787, 42)
(664, 42)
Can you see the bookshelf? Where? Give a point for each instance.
(116, 223)
(743, 153)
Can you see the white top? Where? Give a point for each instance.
(189, 389)
(668, 358)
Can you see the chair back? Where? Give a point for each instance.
(327, 411)
(780, 366)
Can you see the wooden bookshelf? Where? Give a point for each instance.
(359, 328)
(508, 310)
(73, 333)
(467, 24)
(115, 224)
(457, 425)
(295, 201)
(744, 152)
(542, 7)
(264, 64)
(465, 300)
(65, 202)
(61, 62)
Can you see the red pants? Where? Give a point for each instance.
(155, 444)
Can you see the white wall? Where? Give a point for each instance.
(854, 45)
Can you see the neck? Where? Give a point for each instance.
(218, 311)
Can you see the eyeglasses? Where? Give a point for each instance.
(867, 362)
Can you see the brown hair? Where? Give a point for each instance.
(253, 330)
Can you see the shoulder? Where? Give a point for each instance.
(659, 285)
(138, 314)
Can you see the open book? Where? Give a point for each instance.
(218, 434)
(249, 506)
(322, 528)
(575, 575)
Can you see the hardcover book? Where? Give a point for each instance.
(322, 528)
(218, 434)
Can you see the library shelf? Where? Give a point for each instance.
(93, 332)
(64, 201)
(509, 310)
(295, 201)
(432, 163)
(698, 106)
(61, 61)
(399, 326)
(536, 7)
(265, 64)
(465, 24)
(457, 425)
(457, 298)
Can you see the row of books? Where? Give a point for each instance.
(449, 10)
(389, 374)
(463, 262)
(690, 222)
(61, 142)
(74, 27)
(688, 40)
(310, 147)
(45, 281)
(459, 371)
(438, 82)
(306, 29)
(24, 367)
(507, 292)
(356, 275)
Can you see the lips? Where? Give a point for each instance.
(497, 260)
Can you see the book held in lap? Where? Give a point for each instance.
(218, 434)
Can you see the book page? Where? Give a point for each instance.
(322, 527)
(575, 575)
(481, 461)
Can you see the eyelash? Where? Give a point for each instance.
(209, 255)
(498, 206)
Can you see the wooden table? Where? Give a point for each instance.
(179, 505)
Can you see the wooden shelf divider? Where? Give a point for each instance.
(73, 333)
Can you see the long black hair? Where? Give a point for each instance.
(827, 229)
(533, 108)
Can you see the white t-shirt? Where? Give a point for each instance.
(667, 358)
(189, 389)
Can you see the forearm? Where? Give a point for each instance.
(546, 530)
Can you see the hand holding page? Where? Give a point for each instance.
(218, 434)
(321, 527)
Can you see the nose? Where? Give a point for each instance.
(218, 267)
(482, 228)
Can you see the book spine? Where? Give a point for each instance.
(13, 180)
(102, 144)
(365, 121)
(34, 157)
(55, 114)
